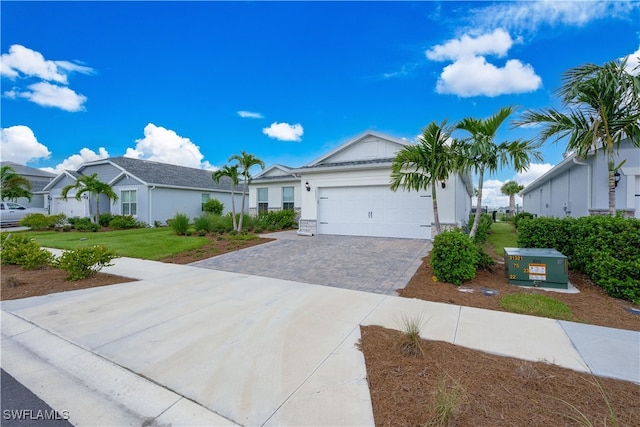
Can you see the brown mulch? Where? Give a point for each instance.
(591, 305)
(493, 390)
(496, 391)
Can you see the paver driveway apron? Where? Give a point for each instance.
(373, 264)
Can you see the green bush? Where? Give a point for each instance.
(521, 216)
(180, 224)
(20, 250)
(38, 221)
(85, 224)
(605, 248)
(484, 226)
(85, 262)
(483, 260)
(213, 206)
(275, 220)
(125, 222)
(205, 222)
(105, 219)
(454, 257)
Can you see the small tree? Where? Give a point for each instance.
(12, 185)
(511, 188)
(230, 172)
(91, 184)
(245, 162)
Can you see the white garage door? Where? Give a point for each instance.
(71, 207)
(374, 211)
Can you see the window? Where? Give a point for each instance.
(129, 202)
(263, 200)
(287, 198)
(205, 199)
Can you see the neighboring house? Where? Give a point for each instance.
(152, 192)
(579, 187)
(38, 179)
(346, 192)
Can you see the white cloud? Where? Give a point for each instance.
(633, 63)
(284, 131)
(22, 63)
(166, 146)
(20, 145)
(74, 161)
(476, 77)
(51, 95)
(250, 115)
(497, 43)
(529, 16)
(471, 74)
(535, 171)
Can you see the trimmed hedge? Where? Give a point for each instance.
(605, 248)
(454, 257)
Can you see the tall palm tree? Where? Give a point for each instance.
(230, 172)
(511, 188)
(422, 166)
(12, 185)
(602, 107)
(245, 162)
(480, 153)
(90, 184)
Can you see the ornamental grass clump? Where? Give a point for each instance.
(454, 257)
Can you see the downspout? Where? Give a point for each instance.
(151, 222)
(589, 189)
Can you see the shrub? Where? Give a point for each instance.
(85, 262)
(484, 226)
(38, 221)
(521, 216)
(125, 222)
(180, 224)
(213, 206)
(204, 222)
(483, 260)
(454, 257)
(105, 219)
(21, 250)
(275, 220)
(85, 224)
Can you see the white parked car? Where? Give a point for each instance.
(11, 213)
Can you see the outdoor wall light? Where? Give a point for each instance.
(616, 178)
(307, 186)
(443, 184)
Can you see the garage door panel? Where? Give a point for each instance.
(374, 211)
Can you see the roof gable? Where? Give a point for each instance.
(365, 148)
(275, 171)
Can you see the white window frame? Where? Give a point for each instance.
(262, 204)
(135, 203)
(291, 202)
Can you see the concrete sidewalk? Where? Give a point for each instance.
(192, 346)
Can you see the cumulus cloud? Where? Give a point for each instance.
(250, 115)
(20, 145)
(22, 64)
(471, 74)
(51, 95)
(74, 161)
(166, 146)
(535, 171)
(284, 131)
(633, 63)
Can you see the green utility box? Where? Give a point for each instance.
(544, 268)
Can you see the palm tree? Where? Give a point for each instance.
(90, 184)
(422, 166)
(245, 162)
(511, 188)
(12, 185)
(230, 172)
(602, 107)
(480, 153)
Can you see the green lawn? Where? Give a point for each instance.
(145, 243)
(502, 235)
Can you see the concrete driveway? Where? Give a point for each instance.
(371, 264)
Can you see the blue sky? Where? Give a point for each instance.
(193, 83)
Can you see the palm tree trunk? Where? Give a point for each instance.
(244, 191)
(512, 204)
(612, 183)
(436, 216)
(476, 219)
(233, 209)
